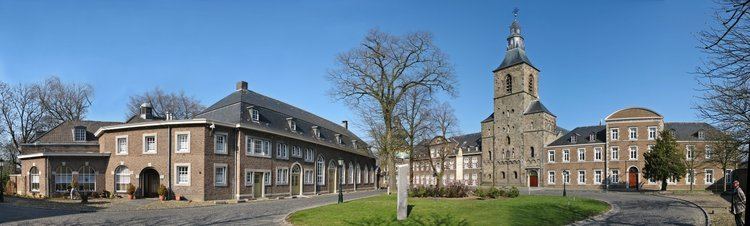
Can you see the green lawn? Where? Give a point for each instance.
(524, 210)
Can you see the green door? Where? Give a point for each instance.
(258, 185)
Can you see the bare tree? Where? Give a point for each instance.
(179, 105)
(692, 162)
(64, 101)
(22, 116)
(446, 125)
(725, 74)
(383, 70)
(415, 116)
(725, 151)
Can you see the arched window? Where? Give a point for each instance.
(533, 153)
(351, 173)
(320, 171)
(508, 84)
(372, 174)
(508, 139)
(86, 179)
(122, 179)
(342, 177)
(63, 178)
(531, 84)
(515, 175)
(366, 173)
(359, 174)
(503, 174)
(34, 179)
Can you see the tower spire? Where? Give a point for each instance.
(515, 40)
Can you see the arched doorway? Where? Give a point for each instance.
(332, 177)
(633, 177)
(149, 182)
(296, 180)
(533, 179)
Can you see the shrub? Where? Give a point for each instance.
(494, 192)
(513, 192)
(162, 191)
(456, 190)
(131, 189)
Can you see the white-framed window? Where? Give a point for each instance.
(282, 176)
(615, 153)
(633, 152)
(701, 135)
(249, 178)
(282, 151)
(551, 177)
(257, 147)
(149, 144)
(309, 155)
(474, 177)
(122, 145)
(86, 179)
(320, 171)
(358, 176)
(651, 181)
(220, 143)
(551, 156)
(690, 177)
(308, 178)
(342, 170)
(633, 133)
(474, 162)
(182, 142)
(566, 177)
(581, 177)
(220, 174)
(566, 155)
(63, 178)
(597, 176)
(296, 151)
(709, 152)
(672, 180)
(652, 133)
(122, 179)
(689, 152)
(182, 174)
(467, 161)
(255, 115)
(267, 178)
(79, 134)
(581, 154)
(614, 133)
(34, 179)
(598, 154)
(615, 176)
(573, 139)
(709, 176)
(351, 173)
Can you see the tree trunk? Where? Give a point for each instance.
(663, 185)
(411, 165)
(724, 169)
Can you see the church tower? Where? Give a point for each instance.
(515, 134)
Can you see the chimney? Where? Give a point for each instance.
(242, 85)
(147, 111)
(345, 124)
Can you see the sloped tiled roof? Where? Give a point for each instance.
(688, 131)
(537, 107)
(514, 57)
(489, 118)
(274, 115)
(63, 133)
(582, 136)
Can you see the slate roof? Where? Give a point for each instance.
(63, 133)
(274, 115)
(537, 107)
(471, 142)
(582, 136)
(489, 118)
(137, 119)
(513, 57)
(688, 131)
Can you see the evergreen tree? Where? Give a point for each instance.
(664, 161)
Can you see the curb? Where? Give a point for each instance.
(284, 221)
(705, 214)
(612, 211)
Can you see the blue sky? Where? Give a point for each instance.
(595, 57)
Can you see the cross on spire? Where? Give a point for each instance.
(515, 13)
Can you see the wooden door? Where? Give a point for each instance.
(295, 184)
(633, 180)
(258, 185)
(331, 180)
(534, 181)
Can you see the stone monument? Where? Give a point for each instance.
(402, 184)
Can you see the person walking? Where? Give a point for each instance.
(738, 204)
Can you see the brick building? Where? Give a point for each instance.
(462, 165)
(246, 145)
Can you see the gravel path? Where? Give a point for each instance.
(269, 212)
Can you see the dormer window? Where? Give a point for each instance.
(592, 138)
(572, 139)
(292, 124)
(701, 135)
(254, 115)
(316, 131)
(354, 144)
(338, 139)
(79, 134)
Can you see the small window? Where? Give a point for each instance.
(255, 115)
(615, 177)
(122, 145)
(149, 144)
(597, 176)
(508, 84)
(282, 176)
(633, 133)
(689, 152)
(338, 139)
(615, 153)
(308, 177)
(79, 134)
(592, 137)
(566, 155)
(566, 177)
(309, 155)
(597, 154)
(183, 142)
(581, 177)
(551, 156)
(573, 139)
(220, 143)
(257, 147)
(551, 177)
(633, 152)
(34, 179)
(701, 135)
(615, 134)
(296, 151)
(220, 175)
(282, 151)
(183, 174)
(581, 154)
(652, 133)
(709, 152)
(709, 178)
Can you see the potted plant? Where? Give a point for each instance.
(162, 191)
(131, 191)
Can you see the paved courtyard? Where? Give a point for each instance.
(630, 209)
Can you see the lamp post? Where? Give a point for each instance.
(566, 175)
(2, 175)
(341, 190)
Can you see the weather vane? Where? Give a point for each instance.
(515, 12)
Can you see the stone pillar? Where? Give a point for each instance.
(402, 183)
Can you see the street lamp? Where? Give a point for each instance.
(341, 190)
(2, 175)
(566, 177)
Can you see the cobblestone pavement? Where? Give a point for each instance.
(633, 208)
(716, 205)
(268, 212)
